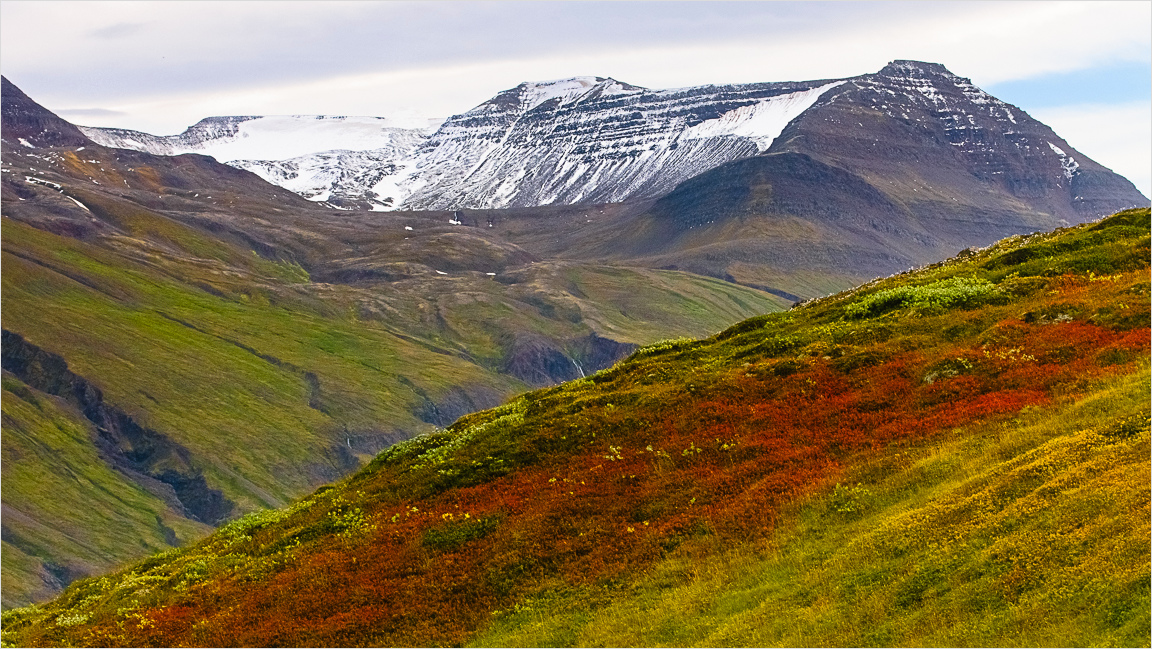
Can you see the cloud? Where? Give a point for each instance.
(81, 113)
(117, 30)
(222, 45)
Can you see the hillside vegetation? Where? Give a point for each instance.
(956, 455)
(232, 377)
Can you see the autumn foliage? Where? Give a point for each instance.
(588, 484)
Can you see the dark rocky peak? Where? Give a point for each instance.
(931, 84)
(938, 140)
(902, 68)
(216, 127)
(27, 123)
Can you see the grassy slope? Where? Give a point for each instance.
(597, 493)
(124, 334)
(210, 344)
(50, 467)
(619, 302)
(976, 539)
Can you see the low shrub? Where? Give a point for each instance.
(937, 296)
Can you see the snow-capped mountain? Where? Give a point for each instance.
(594, 139)
(918, 128)
(591, 139)
(321, 157)
(274, 137)
(346, 176)
(575, 140)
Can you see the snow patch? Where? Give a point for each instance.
(762, 122)
(566, 90)
(274, 137)
(1067, 163)
(40, 181)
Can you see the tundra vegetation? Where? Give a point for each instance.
(957, 455)
(258, 380)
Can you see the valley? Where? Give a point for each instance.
(957, 443)
(192, 347)
(276, 344)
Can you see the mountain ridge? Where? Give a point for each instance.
(595, 139)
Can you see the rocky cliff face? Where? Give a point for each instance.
(581, 140)
(934, 141)
(595, 140)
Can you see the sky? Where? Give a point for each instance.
(1083, 68)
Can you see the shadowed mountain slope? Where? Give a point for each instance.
(27, 123)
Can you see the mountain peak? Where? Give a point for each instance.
(909, 68)
(28, 123)
(535, 93)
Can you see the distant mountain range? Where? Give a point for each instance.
(586, 139)
(596, 140)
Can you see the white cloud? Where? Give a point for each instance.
(1118, 137)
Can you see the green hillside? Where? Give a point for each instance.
(956, 455)
(50, 466)
(252, 383)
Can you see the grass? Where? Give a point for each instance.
(971, 473)
(1026, 532)
(50, 467)
(243, 405)
(273, 384)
